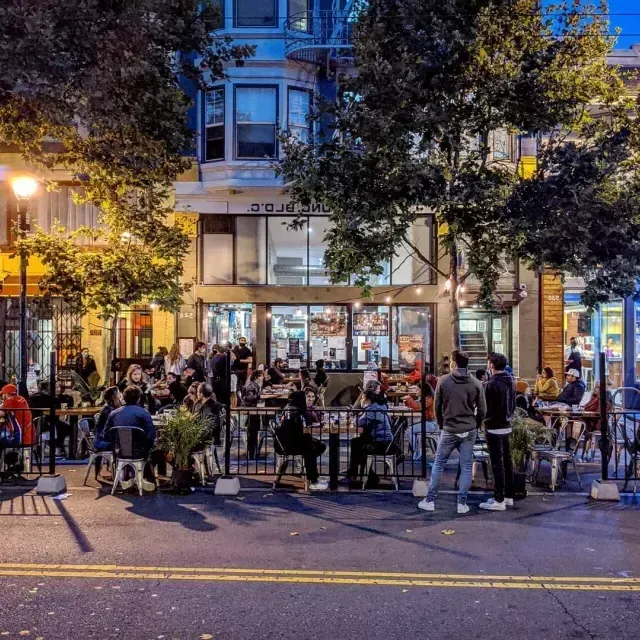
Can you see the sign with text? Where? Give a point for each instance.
(370, 324)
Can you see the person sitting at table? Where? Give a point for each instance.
(19, 408)
(312, 416)
(101, 442)
(177, 390)
(275, 372)
(250, 398)
(415, 432)
(376, 438)
(132, 414)
(41, 402)
(305, 379)
(209, 408)
(294, 441)
(191, 397)
(546, 387)
(321, 378)
(593, 424)
(574, 390)
(415, 375)
(137, 377)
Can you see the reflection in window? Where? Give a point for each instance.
(227, 323)
(256, 122)
(251, 250)
(328, 336)
(407, 268)
(299, 108)
(299, 14)
(289, 336)
(502, 145)
(287, 252)
(411, 332)
(370, 337)
(217, 258)
(214, 124)
(255, 13)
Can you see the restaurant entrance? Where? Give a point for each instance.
(482, 332)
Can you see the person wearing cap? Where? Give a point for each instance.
(574, 390)
(19, 408)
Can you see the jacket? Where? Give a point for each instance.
(101, 424)
(178, 391)
(251, 394)
(500, 396)
(133, 415)
(547, 389)
(416, 406)
(460, 402)
(375, 423)
(196, 363)
(210, 412)
(19, 407)
(572, 393)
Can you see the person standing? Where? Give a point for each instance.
(460, 410)
(243, 360)
(220, 376)
(195, 364)
(500, 395)
(573, 357)
(86, 368)
(157, 365)
(174, 362)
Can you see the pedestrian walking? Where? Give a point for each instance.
(460, 410)
(500, 394)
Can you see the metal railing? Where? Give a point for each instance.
(309, 34)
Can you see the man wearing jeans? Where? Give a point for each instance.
(501, 403)
(460, 409)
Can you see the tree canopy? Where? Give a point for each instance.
(412, 127)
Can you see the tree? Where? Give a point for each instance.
(109, 83)
(412, 127)
(580, 212)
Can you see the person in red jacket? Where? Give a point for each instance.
(19, 407)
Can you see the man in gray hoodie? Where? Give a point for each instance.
(460, 410)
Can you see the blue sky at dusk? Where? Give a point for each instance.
(630, 24)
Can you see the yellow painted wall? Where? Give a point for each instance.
(163, 329)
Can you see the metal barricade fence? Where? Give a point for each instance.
(623, 445)
(24, 443)
(254, 447)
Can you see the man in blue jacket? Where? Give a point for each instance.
(133, 415)
(500, 395)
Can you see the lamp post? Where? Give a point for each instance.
(23, 187)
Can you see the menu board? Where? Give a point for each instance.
(370, 324)
(410, 343)
(331, 325)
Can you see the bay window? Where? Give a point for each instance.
(299, 105)
(214, 125)
(256, 121)
(255, 13)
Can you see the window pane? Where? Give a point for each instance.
(502, 145)
(217, 258)
(299, 108)
(256, 141)
(215, 143)
(318, 274)
(411, 336)
(289, 335)
(251, 250)
(408, 269)
(256, 104)
(255, 13)
(298, 14)
(227, 323)
(370, 337)
(584, 327)
(380, 280)
(287, 253)
(214, 107)
(328, 336)
(612, 341)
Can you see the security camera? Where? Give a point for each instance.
(523, 295)
(523, 286)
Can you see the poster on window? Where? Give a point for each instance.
(410, 347)
(293, 363)
(294, 346)
(370, 324)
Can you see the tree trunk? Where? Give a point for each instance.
(453, 297)
(111, 324)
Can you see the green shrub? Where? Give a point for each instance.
(182, 434)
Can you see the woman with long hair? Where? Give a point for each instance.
(137, 377)
(174, 362)
(546, 387)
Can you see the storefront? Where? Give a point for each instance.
(224, 323)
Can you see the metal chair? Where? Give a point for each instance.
(125, 440)
(557, 456)
(388, 462)
(283, 458)
(86, 437)
(200, 462)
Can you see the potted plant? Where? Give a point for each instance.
(180, 436)
(526, 432)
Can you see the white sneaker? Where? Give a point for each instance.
(508, 502)
(321, 485)
(148, 486)
(492, 505)
(463, 508)
(425, 505)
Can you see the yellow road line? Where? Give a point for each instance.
(305, 576)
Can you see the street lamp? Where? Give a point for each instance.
(23, 187)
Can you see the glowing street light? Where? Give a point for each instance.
(24, 187)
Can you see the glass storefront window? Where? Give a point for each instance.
(286, 252)
(408, 269)
(612, 342)
(228, 323)
(289, 338)
(370, 330)
(637, 340)
(481, 333)
(328, 336)
(411, 336)
(251, 250)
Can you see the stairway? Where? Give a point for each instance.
(475, 345)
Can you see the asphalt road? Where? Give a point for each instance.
(96, 566)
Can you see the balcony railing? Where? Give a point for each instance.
(311, 35)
